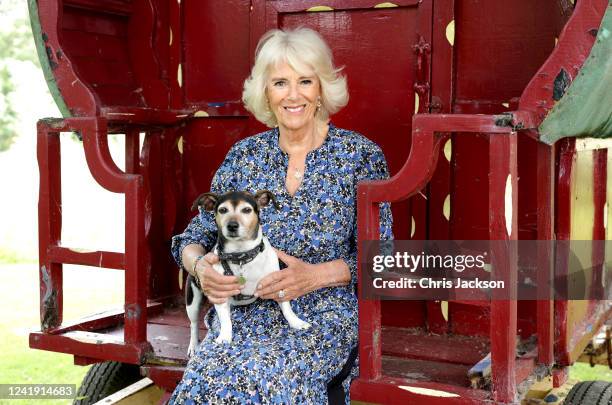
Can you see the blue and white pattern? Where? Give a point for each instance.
(267, 361)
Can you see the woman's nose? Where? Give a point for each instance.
(293, 91)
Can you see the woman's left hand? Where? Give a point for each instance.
(299, 278)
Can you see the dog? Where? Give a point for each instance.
(243, 251)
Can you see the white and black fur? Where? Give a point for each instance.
(237, 219)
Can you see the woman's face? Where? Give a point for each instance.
(292, 96)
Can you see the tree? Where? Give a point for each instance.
(16, 43)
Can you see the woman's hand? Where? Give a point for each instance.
(215, 286)
(299, 278)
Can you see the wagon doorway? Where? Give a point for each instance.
(385, 51)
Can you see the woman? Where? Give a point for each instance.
(312, 168)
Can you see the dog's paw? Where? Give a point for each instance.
(224, 338)
(299, 324)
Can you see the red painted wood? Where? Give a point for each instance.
(109, 260)
(503, 163)
(454, 349)
(566, 156)
(574, 45)
(144, 61)
(214, 37)
(545, 260)
(388, 390)
(49, 225)
(560, 376)
(123, 352)
(104, 320)
(175, 57)
(78, 97)
(524, 29)
(166, 377)
(120, 7)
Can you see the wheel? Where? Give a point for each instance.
(104, 379)
(590, 393)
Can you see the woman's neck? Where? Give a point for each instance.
(303, 140)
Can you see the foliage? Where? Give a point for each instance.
(16, 44)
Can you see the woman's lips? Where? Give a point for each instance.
(296, 109)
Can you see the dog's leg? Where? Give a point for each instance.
(225, 334)
(291, 317)
(193, 300)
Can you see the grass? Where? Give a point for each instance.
(584, 372)
(19, 287)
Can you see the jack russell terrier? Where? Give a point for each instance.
(243, 252)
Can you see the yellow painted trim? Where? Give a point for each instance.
(412, 228)
(416, 102)
(450, 33)
(315, 9)
(446, 208)
(508, 208)
(444, 309)
(179, 145)
(179, 75)
(386, 5)
(448, 149)
(170, 42)
(429, 392)
(200, 114)
(592, 144)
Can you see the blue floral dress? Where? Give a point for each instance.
(267, 361)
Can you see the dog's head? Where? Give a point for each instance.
(236, 213)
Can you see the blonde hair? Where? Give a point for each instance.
(302, 49)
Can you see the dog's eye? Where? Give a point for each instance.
(222, 210)
(247, 210)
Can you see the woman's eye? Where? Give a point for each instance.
(222, 210)
(306, 82)
(279, 83)
(246, 210)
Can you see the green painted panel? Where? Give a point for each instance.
(586, 108)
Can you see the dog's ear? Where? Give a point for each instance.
(264, 197)
(206, 201)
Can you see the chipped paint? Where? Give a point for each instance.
(319, 8)
(448, 149)
(133, 311)
(412, 228)
(561, 83)
(179, 75)
(179, 145)
(50, 315)
(386, 5)
(200, 113)
(170, 42)
(429, 392)
(444, 309)
(416, 102)
(508, 209)
(446, 208)
(450, 33)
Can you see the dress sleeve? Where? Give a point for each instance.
(202, 228)
(373, 166)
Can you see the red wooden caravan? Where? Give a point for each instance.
(453, 91)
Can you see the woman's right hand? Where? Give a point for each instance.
(215, 286)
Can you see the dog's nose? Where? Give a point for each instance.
(232, 226)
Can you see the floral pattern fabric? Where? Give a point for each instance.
(267, 361)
